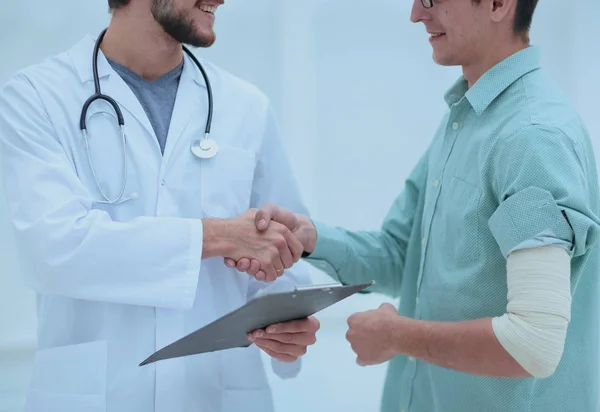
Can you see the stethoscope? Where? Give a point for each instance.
(204, 148)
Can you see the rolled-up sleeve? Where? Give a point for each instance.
(541, 179)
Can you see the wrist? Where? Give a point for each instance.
(307, 233)
(214, 241)
(408, 336)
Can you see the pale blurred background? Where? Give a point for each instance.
(358, 98)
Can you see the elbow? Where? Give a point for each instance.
(540, 367)
(544, 371)
(537, 349)
(49, 254)
(545, 362)
(546, 348)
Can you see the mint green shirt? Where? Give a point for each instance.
(511, 166)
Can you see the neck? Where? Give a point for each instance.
(486, 60)
(148, 50)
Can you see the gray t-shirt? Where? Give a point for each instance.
(157, 97)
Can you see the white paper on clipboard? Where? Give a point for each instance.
(231, 330)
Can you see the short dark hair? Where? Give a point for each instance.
(115, 4)
(523, 15)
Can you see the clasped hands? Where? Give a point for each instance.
(268, 241)
(291, 234)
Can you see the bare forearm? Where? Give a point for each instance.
(468, 346)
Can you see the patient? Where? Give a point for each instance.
(492, 246)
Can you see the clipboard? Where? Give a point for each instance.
(231, 330)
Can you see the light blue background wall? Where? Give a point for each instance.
(358, 97)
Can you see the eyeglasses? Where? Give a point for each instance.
(427, 3)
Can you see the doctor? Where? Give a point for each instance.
(123, 239)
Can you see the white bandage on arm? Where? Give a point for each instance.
(534, 329)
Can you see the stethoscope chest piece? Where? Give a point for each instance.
(205, 148)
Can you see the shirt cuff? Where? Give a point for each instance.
(331, 246)
(526, 214)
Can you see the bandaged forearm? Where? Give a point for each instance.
(534, 329)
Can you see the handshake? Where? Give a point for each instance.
(261, 242)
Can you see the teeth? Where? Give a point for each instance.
(208, 9)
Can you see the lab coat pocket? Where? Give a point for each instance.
(72, 375)
(251, 400)
(227, 182)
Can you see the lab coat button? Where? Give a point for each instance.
(436, 183)
(455, 126)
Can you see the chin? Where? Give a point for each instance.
(203, 38)
(443, 60)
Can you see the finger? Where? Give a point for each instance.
(243, 264)
(310, 324)
(230, 263)
(282, 348)
(285, 255)
(254, 268)
(353, 320)
(294, 245)
(279, 356)
(263, 216)
(302, 338)
(274, 267)
(270, 271)
(388, 308)
(261, 275)
(271, 212)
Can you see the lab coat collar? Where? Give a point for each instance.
(83, 53)
(114, 86)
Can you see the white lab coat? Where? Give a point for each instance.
(115, 283)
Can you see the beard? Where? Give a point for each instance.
(179, 26)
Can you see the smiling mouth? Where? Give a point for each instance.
(437, 35)
(208, 8)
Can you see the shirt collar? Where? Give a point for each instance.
(494, 81)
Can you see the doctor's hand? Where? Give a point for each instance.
(371, 334)
(287, 341)
(301, 226)
(274, 249)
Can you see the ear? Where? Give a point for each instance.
(501, 9)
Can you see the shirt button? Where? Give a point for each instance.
(455, 125)
(436, 183)
(424, 241)
(162, 182)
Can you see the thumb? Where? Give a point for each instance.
(271, 212)
(387, 307)
(263, 216)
